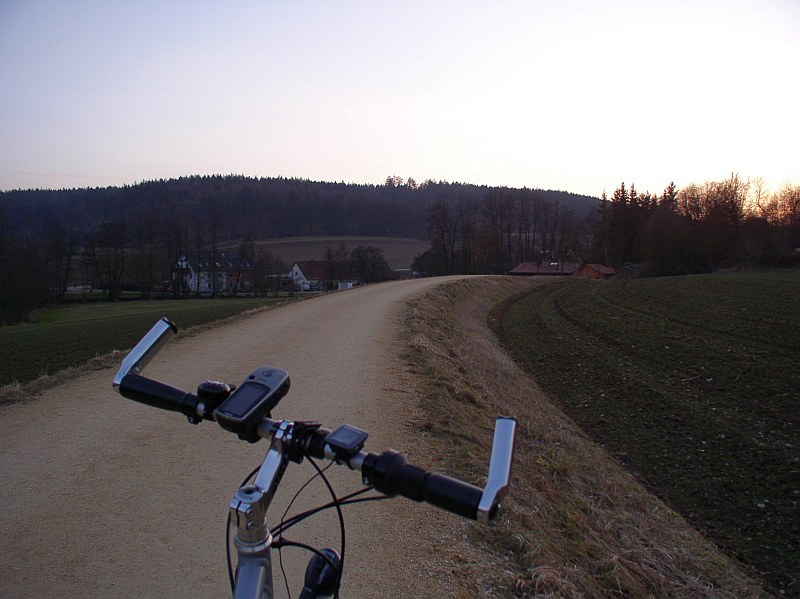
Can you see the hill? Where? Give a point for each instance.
(130, 238)
(237, 206)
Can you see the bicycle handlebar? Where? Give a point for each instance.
(388, 472)
(158, 395)
(391, 473)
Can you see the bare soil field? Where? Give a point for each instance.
(692, 383)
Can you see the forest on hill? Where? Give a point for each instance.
(131, 237)
(235, 206)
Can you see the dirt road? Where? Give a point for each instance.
(105, 497)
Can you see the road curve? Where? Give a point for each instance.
(102, 496)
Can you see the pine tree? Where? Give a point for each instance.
(669, 197)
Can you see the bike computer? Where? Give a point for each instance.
(252, 401)
(346, 441)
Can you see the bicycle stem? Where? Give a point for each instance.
(248, 510)
(253, 543)
(249, 506)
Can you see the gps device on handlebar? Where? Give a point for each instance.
(253, 401)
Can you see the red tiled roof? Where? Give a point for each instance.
(603, 269)
(555, 268)
(312, 270)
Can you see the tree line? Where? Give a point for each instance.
(700, 228)
(493, 233)
(365, 263)
(129, 238)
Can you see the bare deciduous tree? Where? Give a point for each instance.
(105, 253)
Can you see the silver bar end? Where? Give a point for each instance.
(144, 351)
(499, 467)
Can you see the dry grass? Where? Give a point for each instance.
(576, 524)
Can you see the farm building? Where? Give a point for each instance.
(593, 271)
(549, 268)
(209, 273)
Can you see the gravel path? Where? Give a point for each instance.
(102, 496)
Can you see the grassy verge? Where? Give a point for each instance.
(69, 336)
(693, 383)
(576, 523)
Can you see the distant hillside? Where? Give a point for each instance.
(130, 238)
(237, 206)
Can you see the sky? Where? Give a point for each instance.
(574, 95)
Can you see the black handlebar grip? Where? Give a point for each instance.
(158, 395)
(391, 473)
(452, 495)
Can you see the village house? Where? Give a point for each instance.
(314, 275)
(209, 273)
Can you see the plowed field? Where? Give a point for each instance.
(692, 382)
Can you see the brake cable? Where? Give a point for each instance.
(278, 531)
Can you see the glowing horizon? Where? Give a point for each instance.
(575, 97)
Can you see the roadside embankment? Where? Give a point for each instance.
(576, 523)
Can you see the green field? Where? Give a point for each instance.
(693, 382)
(68, 336)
